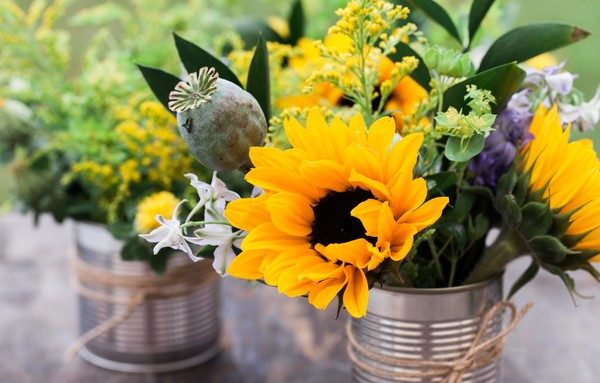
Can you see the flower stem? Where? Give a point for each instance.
(507, 247)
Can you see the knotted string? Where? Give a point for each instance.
(478, 354)
(176, 282)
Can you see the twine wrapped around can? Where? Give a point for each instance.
(134, 320)
(449, 335)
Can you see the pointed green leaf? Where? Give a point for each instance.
(250, 28)
(525, 278)
(529, 41)
(421, 73)
(537, 219)
(193, 58)
(258, 83)
(160, 82)
(510, 210)
(520, 190)
(502, 81)
(434, 11)
(506, 183)
(461, 150)
(549, 249)
(296, 22)
(479, 9)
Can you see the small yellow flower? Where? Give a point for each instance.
(158, 203)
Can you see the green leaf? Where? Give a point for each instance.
(525, 278)
(506, 183)
(502, 81)
(461, 150)
(120, 230)
(549, 249)
(421, 73)
(537, 219)
(160, 82)
(193, 58)
(479, 8)
(297, 23)
(250, 28)
(258, 83)
(457, 231)
(441, 181)
(439, 15)
(529, 41)
(510, 210)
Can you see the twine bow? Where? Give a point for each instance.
(478, 354)
(176, 282)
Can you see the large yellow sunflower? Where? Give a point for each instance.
(336, 206)
(567, 174)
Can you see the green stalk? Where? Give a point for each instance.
(507, 247)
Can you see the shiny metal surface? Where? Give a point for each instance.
(425, 324)
(162, 334)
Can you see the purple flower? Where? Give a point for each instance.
(501, 146)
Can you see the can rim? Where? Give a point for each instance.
(440, 290)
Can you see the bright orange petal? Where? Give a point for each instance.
(354, 252)
(246, 265)
(356, 295)
(291, 213)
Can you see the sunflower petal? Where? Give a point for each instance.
(356, 295)
(291, 213)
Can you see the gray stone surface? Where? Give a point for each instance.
(267, 337)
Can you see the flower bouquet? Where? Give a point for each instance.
(390, 163)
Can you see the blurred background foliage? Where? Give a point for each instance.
(583, 57)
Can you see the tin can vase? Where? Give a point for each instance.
(422, 335)
(171, 320)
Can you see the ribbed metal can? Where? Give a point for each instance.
(423, 325)
(160, 334)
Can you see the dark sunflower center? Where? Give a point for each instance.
(333, 222)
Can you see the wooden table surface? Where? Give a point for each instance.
(268, 338)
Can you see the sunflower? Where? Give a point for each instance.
(336, 206)
(162, 203)
(566, 176)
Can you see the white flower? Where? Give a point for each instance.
(224, 239)
(170, 234)
(585, 116)
(213, 196)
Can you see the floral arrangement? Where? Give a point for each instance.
(388, 159)
(75, 147)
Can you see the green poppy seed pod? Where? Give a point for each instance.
(218, 120)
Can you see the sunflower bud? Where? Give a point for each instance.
(218, 120)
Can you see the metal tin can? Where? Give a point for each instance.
(423, 324)
(160, 334)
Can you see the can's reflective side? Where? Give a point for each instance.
(424, 324)
(160, 335)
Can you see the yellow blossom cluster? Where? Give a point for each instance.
(364, 36)
(147, 153)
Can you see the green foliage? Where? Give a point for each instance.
(421, 73)
(439, 15)
(529, 41)
(479, 9)
(160, 82)
(258, 82)
(297, 22)
(193, 58)
(502, 81)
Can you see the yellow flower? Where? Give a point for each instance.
(405, 97)
(568, 174)
(158, 203)
(336, 206)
